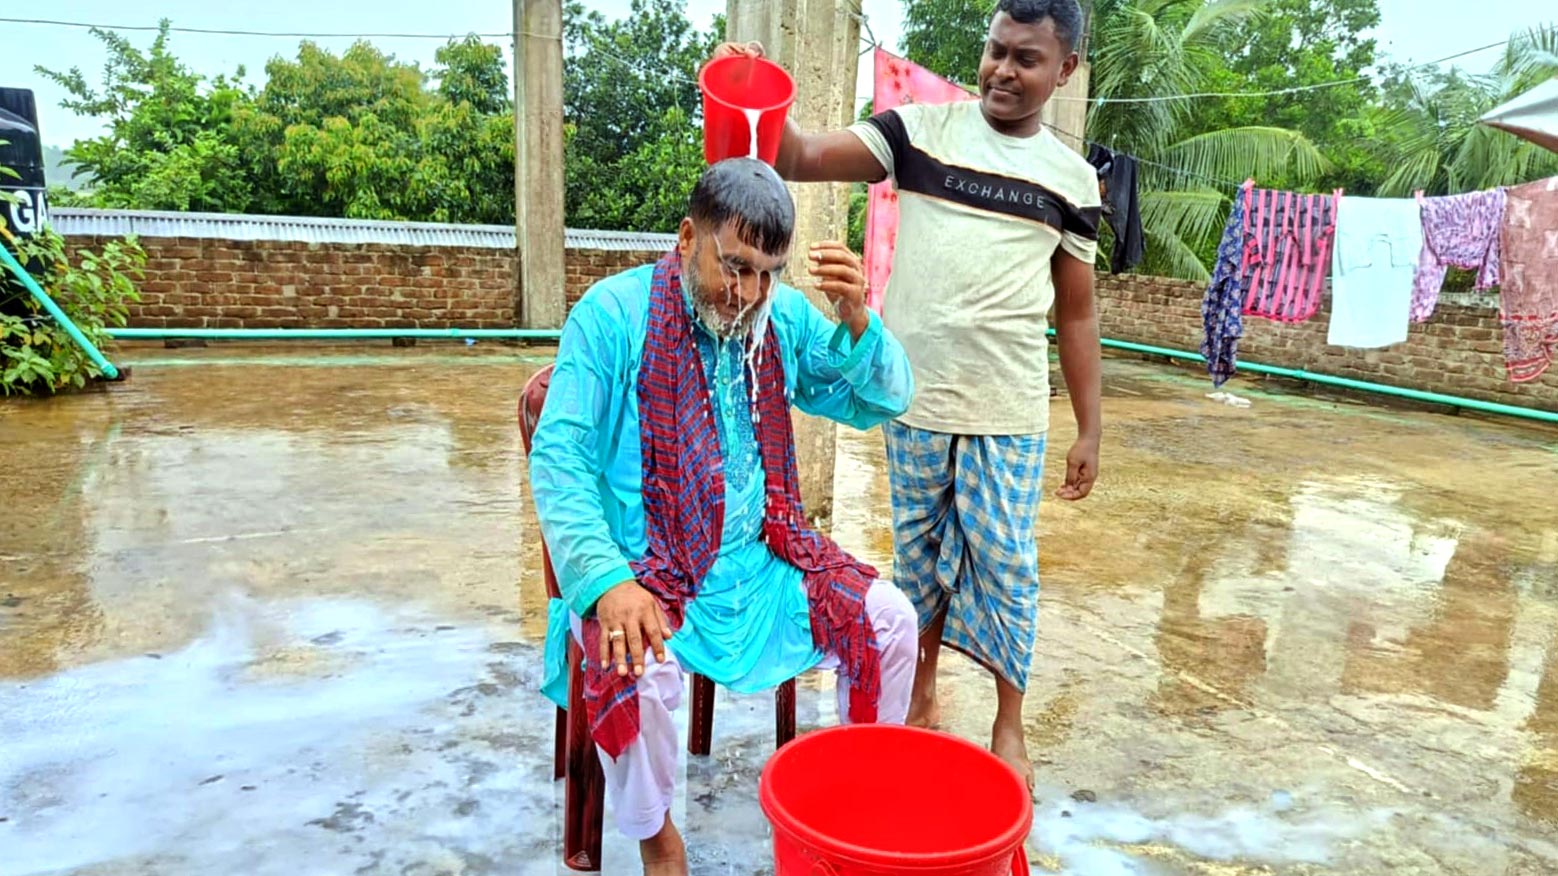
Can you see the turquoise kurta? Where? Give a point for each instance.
(749, 627)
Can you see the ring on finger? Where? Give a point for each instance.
(615, 635)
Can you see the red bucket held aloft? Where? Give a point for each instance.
(883, 800)
(735, 90)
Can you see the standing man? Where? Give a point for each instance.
(998, 220)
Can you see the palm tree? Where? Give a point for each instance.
(1438, 146)
(1145, 53)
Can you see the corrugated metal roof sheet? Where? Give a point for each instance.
(72, 221)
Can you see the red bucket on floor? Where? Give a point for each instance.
(883, 800)
(731, 87)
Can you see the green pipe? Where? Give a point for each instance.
(553, 334)
(1346, 383)
(203, 334)
(330, 361)
(103, 365)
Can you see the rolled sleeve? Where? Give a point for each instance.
(1079, 231)
(1083, 249)
(872, 137)
(888, 133)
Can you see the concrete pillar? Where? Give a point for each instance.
(538, 163)
(1066, 111)
(818, 42)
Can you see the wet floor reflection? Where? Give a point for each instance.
(1536, 783)
(1223, 651)
(44, 598)
(1302, 638)
(297, 480)
(1458, 654)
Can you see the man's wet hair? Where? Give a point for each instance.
(747, 193)
(1066, 14)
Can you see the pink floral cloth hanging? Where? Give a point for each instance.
(1528, 293)
(898, 82)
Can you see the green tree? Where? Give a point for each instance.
(335, 135)
(859, 197)
(947, 37)
(95, 289)
(1294, 44)
(632, 114)
(471, 72)
(1436, 144)
(472, 133)
(363, 134)
(359, 134)
(169, 143)
(1145, 55)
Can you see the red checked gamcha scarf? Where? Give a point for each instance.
(684, 511)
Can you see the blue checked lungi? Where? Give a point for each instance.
(964, 512)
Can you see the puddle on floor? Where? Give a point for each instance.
(286, 619)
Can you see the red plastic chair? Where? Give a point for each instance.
(574, 758)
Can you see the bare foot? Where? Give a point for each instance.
(663, 854)
(1008, 744)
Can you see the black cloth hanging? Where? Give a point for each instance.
(1122, 207)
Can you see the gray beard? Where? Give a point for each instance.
(711, 317)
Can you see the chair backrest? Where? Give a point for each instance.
(531, 400)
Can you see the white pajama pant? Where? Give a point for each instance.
(642, 782)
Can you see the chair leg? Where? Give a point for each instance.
(700, 723)
(560, 746)
(784, 713)
(584, 794)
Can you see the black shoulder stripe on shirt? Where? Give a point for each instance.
(890, 125)
(919, 172)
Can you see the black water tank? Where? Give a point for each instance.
(23, 153)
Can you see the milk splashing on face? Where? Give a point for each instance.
(760, 312)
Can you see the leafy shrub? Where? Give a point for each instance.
(37, 356)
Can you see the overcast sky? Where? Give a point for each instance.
(1411, 30)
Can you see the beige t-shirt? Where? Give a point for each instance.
(979, 216)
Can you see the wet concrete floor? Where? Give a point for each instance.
(279, 611)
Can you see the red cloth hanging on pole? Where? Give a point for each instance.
(897, 82)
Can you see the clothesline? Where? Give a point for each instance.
(868, 37)
(871, 45)
(1279, 92)
(1225, 183)
(1277, 250)
(869, 41)
(1222, 183)
(1383, 258)
(1275, 92)
(1181, 171)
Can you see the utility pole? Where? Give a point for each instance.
(818, 42)
(539, 301)
(1066, 111)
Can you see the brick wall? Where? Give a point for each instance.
(215, 283)
(212, 282)
(586, 267)
(1458, 352)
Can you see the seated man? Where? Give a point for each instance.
(663, 469)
